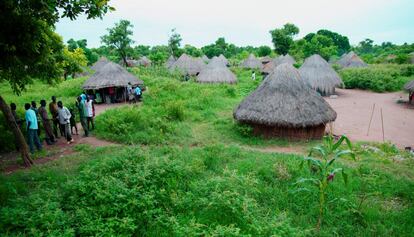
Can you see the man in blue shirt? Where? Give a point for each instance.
(137, 94)
(31, 123)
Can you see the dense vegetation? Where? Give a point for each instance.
(191, 171)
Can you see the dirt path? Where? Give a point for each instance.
(354, 109)
(10, 161)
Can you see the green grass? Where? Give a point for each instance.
(185, 168)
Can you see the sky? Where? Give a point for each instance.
(248, 22)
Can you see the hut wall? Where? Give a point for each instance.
(307, 133)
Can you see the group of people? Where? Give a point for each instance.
(62, 120)
(134, 94)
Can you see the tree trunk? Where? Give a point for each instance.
(124, 58)
(16, 131)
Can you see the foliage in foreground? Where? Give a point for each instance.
(208, 191)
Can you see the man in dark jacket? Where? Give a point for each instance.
(50, 138)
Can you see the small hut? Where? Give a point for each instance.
(216, 74)
(269, 67)
(284, 106)
(110, 82)
(409, 86)
(319, 75)
(205, 59)
(144, 61)
(188, 65)
(99, 64)
(351, 60)
(251, 63)
(224, 59)
(170, 61)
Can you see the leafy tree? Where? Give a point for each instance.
(340, 41)
(141, 50)
(119, 39)
(220, 47)
(174, 43)
(91, 56)
(73, 61)
(283, 38)
(30, 49)
(366, 46)
(193, 51)
(264, 51)
(320, 44)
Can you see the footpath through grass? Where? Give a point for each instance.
(186, 169)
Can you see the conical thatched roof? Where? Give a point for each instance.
(216, 61)
(251, 62)
(170, 61)
(265, 59)
(284, 100)
(269, 67)
(205, 59)
(111, 75)
(100, 64)
(144, 61)
(409, 86)
(216, 74)
(351, 60)
(188, 65)
(319, 75)
(224, 59)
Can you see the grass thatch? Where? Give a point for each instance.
(99, 64)
(205, 59)
(284, 100)
(188, 65)
(144, 61)
(351, 60)
(111, 75)
(216, 74)
(170, 61)
(409, 86)
(269, 67)
(217, 62)
(265, 59)
(224, 59)
(251, 63)
(319, 75)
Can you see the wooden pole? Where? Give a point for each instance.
(370, 120)
(382, 121)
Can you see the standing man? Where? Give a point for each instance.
(53, 108)
(138, 94)
(31, 123)
(50, 138)
(82, 115)
(18, 121)
(253, 75)
(90, 111)
(64, 120)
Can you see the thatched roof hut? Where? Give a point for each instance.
(216, 74)
(269, 67)
(188, 65)
(205, 59)
(170, 61)
(265, 59)
(319, 75)
(111, 75)
(224, 59)
(409, 86)
(144, 61)
(99, 64)
(251, 63)
(284, 106)
(351, 60)
(217, 62)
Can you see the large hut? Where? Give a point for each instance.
(319, 75)
(284, 106)
(99, 64)
(216, 73)
(109, 83)
(170, 61)
(188, 65)
(269, 67)
(351, 60)
(251, 63)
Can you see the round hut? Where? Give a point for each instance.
(409, 86)
(269, 67)
(170, 61)
(251, 63)
(265, 59)
(110, 82)
(224, 59)
(217, 62)
(188, 65)
(351, 60)
(216, 73)
(99, 64)
(144, 61)
(284, 106)
(319, 75)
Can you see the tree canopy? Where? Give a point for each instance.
(283, 38)
(174, 43)
(119, 38)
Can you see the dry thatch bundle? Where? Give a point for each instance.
(351, 60)
(188, 65)
(224, 59)
(319, 75)
(205, 59)
(270, 66)
(100, 64)
(251, 62)
(284, 106)
(144, 61)
(409, 86)
(216, 74)
(111, 75)
(170, 61)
